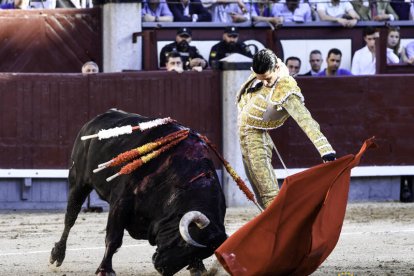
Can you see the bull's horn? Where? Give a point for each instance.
(199, 219)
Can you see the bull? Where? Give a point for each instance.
(174, 201)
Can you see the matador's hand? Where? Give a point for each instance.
(328, 157)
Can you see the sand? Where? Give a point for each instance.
(376, 239)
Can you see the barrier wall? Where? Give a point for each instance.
(351, 109)
(40, 115)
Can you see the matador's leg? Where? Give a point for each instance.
(257, 156)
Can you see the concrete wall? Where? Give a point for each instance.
(121, 20)
(375, 189)
(51, 194)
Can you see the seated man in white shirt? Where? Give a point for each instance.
(364, 62)
(338, 11)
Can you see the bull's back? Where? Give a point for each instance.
(88, 154)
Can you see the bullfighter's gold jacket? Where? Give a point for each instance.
(266, 108)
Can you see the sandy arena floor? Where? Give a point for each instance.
(377, 239)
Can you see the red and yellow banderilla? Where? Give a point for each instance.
(132, 166)
(141, 150)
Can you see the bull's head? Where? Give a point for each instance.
(187, 207)
(193, 228)
(197, 240)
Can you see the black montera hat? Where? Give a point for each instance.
(184, 31)
(231, 30)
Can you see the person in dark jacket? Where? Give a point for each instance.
(189, 11)
(192, 59)
(315, 60)
(227, 46)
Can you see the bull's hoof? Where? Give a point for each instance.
(93, 209)
(194, 272)
(197, 268)
(58, 254)
(104, 272)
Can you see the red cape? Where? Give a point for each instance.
(301, 227)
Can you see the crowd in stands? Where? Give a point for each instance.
(364, 59)
(274, 12)
(179, 56)
(346, 13)
(189, 56)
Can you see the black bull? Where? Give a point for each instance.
(151, 202)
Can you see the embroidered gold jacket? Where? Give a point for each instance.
(268, 108)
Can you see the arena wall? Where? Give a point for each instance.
(40, 115)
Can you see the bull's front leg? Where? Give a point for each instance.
(117, 217)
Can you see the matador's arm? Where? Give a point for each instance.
(295, 107)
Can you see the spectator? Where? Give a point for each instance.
(409, 51)
(313, 6)
(190, 54)
(228, 45)
(337, 11)
(374, 10)
(189, 11)
(401, 8)
(364, 60)
(333, 61)
(395, 52)
(264, 11)
(412, 12)
(42, 4)
(11, 4)
(90, 67)
(293, 11)
(228, 11)
(174, 62)
(293, 64)
(156, 11)
(86, 4)
(315, 60)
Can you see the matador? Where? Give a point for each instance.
(265, 101)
